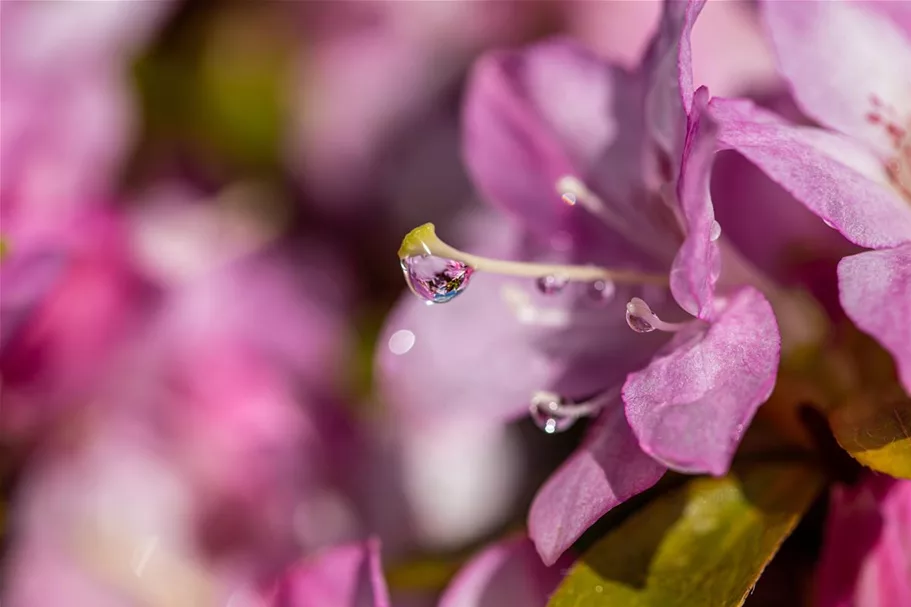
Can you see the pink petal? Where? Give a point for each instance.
(533, 116)
(470, 355)
(833, 176)
(765, 223)
(843, 62)
(866, 556)
(876, 293)
(26, 279)
(899, 12)
(669, 66)
(552, 110)
(506, 573)
(690, 407)
(487, 351)
(346, 576)
(606, 470)
(698, 262)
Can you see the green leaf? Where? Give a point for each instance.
(877, 434)
(703, 544)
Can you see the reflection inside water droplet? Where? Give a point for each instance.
(436, 279)
(551, 285)
(715, 232)
(636, 313)
(569, 198)
(546, 413)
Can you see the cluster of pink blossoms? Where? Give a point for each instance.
(692, 214)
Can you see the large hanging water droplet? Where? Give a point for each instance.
(636, 313)
(715, 231)
(551, 285)
(602, 291)
(547, 415)
(436, 279)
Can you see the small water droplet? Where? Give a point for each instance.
(436, 279)
(602, 291)
(599, 588)
(715, 232)
(551, 285)
(829, 223)
(636, 310)
(545, 412)
(569, 198)
(638, 324)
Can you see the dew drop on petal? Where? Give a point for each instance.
(545, 412)
(715, 232)
(436, 279)
(602, 291)
(829, 223)
(551, 285)
(569, 198)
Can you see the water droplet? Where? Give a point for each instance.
(602, 291)
(638, 324)
(545, 412)
(569, 198)
(551, 285)
(636, 312)
(829, 223)
(715, 232)
(401, 341)
(436, 279)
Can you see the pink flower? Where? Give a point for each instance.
(508, 572)
(67, 124)
(849, 66)
(866, 559)
(344, 576)
(598, 166)
(67, 316)
(184, 478)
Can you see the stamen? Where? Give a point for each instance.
(526, 312)
(554, 413)
(423, 242)
(641, 319)
(573, 191)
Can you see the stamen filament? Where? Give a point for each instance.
(553, 413)
(572, 189)
(641, 319)
(590, 202)
(424, 241)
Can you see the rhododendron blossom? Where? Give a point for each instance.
(607, 170)
(853, 75)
